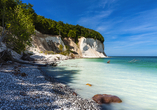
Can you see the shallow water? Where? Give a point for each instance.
(133, 79)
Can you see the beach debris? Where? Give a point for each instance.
(16, 73)
(58, 92)
(88, 84)
(74, 93)
(23, 93)
(106, 99)
(108, 61)
(23, 74)
(19, 65)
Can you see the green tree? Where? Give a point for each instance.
(60, 26)
(72, 34)
(61, 47)
(19, 28)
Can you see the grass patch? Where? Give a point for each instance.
(48, 52)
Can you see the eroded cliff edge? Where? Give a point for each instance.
(85, 48)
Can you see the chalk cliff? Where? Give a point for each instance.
(44, 42)
(85, 48)
(91, 48)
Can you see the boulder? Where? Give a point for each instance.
(106, 99)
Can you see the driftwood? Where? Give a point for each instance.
(24, 62)
(35, 64)
(7, 56)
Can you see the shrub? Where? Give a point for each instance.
(64, 53)
(48, 52)
(61, 47)
(30, 53)
(72, 56)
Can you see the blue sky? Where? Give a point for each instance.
(128, 26)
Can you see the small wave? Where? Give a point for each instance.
(134, 60)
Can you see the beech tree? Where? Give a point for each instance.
(17, 27)
(60, 26)
(72, 34)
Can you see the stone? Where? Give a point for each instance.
(74, 93)
(23, 74)
(108, 61)
(106, 99)
(23, 93)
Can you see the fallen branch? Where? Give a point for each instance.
(7, 56)
(24, 62)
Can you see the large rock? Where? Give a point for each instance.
(106, 99)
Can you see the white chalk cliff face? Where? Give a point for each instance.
(53, 39)
(86, 47)
(91, 48)
(45, 42)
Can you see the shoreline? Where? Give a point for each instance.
(36, 90)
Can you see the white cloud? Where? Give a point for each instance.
(123, 29)
(94, 19)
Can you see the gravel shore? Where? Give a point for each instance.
(25, 87)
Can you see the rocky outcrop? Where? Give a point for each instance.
(106, 99)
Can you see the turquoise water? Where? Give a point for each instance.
(133, 79)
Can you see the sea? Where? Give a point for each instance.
(132, 78)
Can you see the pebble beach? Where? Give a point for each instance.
(25, 87)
